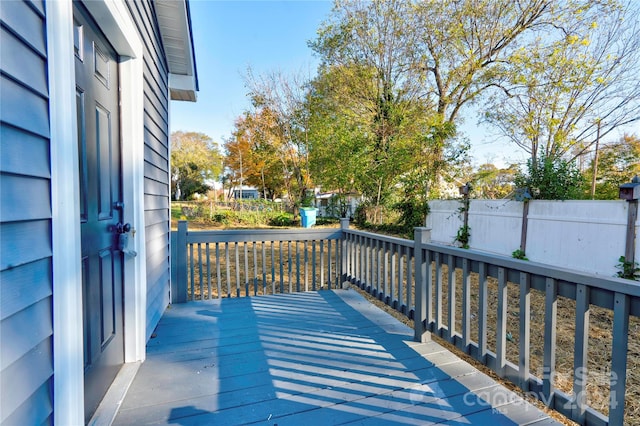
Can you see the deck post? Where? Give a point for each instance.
(180, 264)
(344, 225)
(421, 237)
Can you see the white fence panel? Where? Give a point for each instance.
(496, 225)
(584, 235)
(444, 220)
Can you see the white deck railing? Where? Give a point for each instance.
(460, 295)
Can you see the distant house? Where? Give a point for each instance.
(330, 204)
(245, 193)
(84, 161)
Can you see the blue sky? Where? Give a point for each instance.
(230, 36)
(268, 35)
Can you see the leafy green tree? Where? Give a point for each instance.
(367, 78)
(551, 179)
(566, 88)
(252, 154)
(618, 163)
(195, 159)
(490, 182)
(283, 98)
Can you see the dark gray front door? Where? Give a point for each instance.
(98, 113)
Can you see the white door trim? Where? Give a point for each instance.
(114, 20)
(68, 355)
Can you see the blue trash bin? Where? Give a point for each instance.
(308, 216)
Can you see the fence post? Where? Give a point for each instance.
(180, 264)
(421, 236)
(344, 225)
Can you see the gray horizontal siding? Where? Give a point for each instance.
(156, 156)
(24, 153)
(26, 358)
(151, 171)
(22, 107)
(24, 242)
(23, 332)
(26, 21)
(20, 287)
(23, 205)
(21, 384)
(24, 65)
(153, 187)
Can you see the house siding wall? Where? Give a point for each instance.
(156, 162)
(26, 323)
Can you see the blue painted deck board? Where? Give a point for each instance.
(317, 358)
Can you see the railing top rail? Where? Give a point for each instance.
(385, 238)
(249, 235)
(611, 284)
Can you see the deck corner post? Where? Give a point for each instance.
(180, 264)
(344, 266)
(421, 236)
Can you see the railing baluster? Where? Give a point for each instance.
(466, 306)
(264, 269)
(209, 284)
(409, 287)
(329, 264)
(219, 283)
(255, 269)
(401, 253)
(246, 269)
(429, 291)
(313, 265)
(297, 267)
(237, 272)
(281, 270)
(501, 324)
(200, 271)
(377, 269)
(525, 330)
(359, 262)
(550, 327)
(321, 264)
(620, 345)
(273, 268)
(580, 353)
(369, 264)
(451, 280)
(438, 300)
(394, 255)
(483, 285)
(192, 269)
(306, 266)
(290, 266)
(228, 265)
(385, 274)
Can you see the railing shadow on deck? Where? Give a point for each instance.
(462, 296)
(267, 358)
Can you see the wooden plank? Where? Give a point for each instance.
(466, 306)
(501, 324)
(550, 328)
(349, 361)
(482, 312)
(620, 345)
(525, 331)
(451, 277)
(580, 356)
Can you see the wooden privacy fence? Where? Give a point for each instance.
(528, 322)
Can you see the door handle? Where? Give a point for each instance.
(123, 238)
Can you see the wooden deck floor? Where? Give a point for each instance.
(318, 358)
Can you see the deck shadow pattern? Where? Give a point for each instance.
(316, 358)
